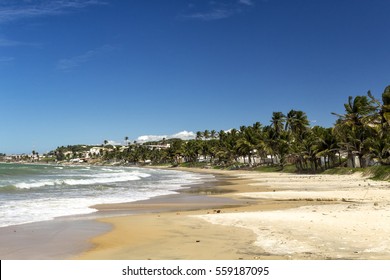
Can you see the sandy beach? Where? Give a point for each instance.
(251, 215)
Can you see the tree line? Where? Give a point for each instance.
(360, 135)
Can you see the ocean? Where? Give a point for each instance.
(32, 193)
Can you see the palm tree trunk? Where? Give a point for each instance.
(362, 162)
(339, 158)
(351, 158)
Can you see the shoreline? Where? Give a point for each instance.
(67, 236)
(278, 216)
(241, 215)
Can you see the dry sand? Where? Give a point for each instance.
(272, 216)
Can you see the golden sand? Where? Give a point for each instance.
(272, 216)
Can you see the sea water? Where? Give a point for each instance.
(31, 193)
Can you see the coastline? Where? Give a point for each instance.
(276, 216)
(67, 236)
(240, 215)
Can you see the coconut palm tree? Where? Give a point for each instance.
(355, 127)
(327, 145)
(386, 106)
(297, 123)
(278, 121)
(358, 111)
(379, 148)
(380, 139)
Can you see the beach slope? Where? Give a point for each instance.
(276, 216)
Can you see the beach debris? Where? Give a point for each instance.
(197, 241)
(217, 211)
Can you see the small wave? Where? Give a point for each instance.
(87, 179)
(9, 188)
(39, 184)
(73, 190)
(102, 180)
(112, 170)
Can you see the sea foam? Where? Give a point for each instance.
(36, 193)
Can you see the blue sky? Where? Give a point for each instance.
(85, 71)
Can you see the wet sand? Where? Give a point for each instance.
(242, 215)
(275, 216)
(69, 236)
(49, 240)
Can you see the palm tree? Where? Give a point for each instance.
(34, 153)
(358, 111)
(379, 148)
(355, 127)
(278, 120)
(206, 134)
(327, 145)
(297, 123)
(227, 146)
(386, 106)
(380, 139)
(191, 150)
(176, 151)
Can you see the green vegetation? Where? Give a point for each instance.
(359, 138)
(378, 172)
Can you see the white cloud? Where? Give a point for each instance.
(217, 10)
(4, 42)
(210, 15)
(28, 9)
(184, 135)
(67, 64)
(8, 43)
(246, 2)
(148, 138)
(6, 59)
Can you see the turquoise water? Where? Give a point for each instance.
(30, 193)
